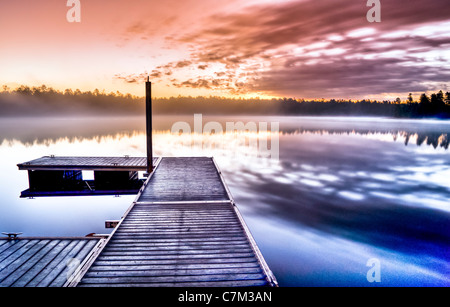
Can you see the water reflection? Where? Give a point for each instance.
(430, 138)
(49, 131)
(342, 190)
(390, 198)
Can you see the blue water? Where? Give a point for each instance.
(343, 191)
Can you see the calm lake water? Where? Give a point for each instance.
(341, 191)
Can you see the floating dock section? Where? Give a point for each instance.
(63, 176)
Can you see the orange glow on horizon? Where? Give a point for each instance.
(229, 48)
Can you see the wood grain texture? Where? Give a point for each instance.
(40, 262)
(182, 230)
(185, 179)
(173, 235)
(167, 247)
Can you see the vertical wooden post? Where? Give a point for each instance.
(148, 115)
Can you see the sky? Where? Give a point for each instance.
(234, 48)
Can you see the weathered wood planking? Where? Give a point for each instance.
(86, 163)
(177, 245)
(182, 230)
(41, 262)
(185, 179)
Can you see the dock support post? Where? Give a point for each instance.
(148, 114)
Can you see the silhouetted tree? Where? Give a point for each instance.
(25, 90)
(424, 99)
(410, 98)
(440, 98)
(434, 99)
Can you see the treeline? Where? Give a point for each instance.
(437, 106)
(46, 101)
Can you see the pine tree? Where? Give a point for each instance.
(410, 98)
(424, 99)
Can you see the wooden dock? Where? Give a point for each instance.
(183, 229)
(63, 176)
(55, 163)
(42, 262)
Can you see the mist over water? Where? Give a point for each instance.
(343, 191)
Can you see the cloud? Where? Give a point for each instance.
(182, 64)
(206, 83)
(200, 83)
(352, 78)
(136, 78)
(137, 27)
(314, 48)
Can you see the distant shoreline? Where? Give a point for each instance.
(44, 101)
(63, 116)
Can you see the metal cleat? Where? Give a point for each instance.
(12, 235)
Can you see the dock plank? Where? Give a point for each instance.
(202, 266)
(173, 272)
(172, 279)
(7, 244)
(232, 283)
